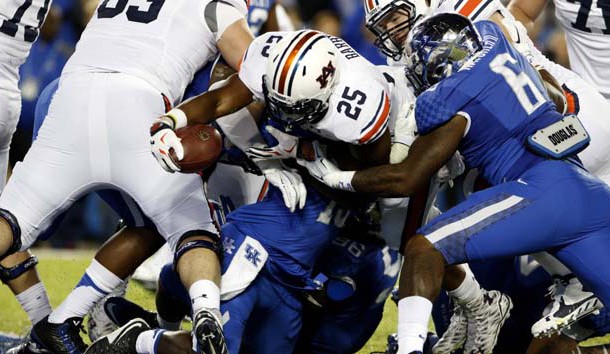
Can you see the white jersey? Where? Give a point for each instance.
(20, 22)
(478, 10)
(587, 29)
(162, 42)
(360, 108)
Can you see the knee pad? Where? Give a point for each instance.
(12, 221)
(215, 245)
(8, 274)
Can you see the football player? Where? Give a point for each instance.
(587, 34)
(20, 22)
(116, 62)
(390, 21)
(517, 159)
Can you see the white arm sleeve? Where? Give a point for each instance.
(220, 14)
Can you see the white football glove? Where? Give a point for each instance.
(286, 147)
(289, 182)
(326, 171)
(162, 139)
(453, 168)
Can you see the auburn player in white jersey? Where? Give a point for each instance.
(131, 63)
(20, 22)
(313, 84)
(587, 29)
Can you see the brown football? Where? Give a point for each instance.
(202, 147)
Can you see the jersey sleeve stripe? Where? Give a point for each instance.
(481, 8)
(380, 122)
(468, 7)
(290, 61)
(375, 116)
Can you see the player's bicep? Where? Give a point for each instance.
(431, 151)
(234, 42)
(527, 11)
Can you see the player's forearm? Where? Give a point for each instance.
(385, 181)
(228, 97)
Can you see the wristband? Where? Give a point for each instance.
(179, 117)
(340, 180)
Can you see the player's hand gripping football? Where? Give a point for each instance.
(288, 181)
(162, 140)
(287, 147)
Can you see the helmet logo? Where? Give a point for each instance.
(327, 71)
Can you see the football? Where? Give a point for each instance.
(202, 147)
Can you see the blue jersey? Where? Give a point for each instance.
(505, 104)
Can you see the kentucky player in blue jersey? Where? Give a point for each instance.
(483, 98)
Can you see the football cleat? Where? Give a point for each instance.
(120, 311)
(121, 341)
(29, 346)
(485, 317)
(208, 333)
(99, 324)
(570, 303)
(455, 335)
(60, 338)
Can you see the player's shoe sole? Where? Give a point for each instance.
(564, 315)
(208, 334)
(121, 341)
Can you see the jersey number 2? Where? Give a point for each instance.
(134, 14)
(518, 82)
(9, 27)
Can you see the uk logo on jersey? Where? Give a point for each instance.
(252, 255)
(327, 72)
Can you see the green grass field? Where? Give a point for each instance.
(61, 271)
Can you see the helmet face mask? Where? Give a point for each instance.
(292, 113)
(391, 21)
(438, 47)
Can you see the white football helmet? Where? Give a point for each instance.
(301, 73)
(391, 20)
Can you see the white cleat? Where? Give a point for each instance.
(455, 335)
(485, 317)
(99, 323)
(569, 304)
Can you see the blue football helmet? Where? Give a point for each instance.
(439, 46)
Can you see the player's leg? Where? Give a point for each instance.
(277, 307)
(176, 203)
(55, 172)
(19, 273)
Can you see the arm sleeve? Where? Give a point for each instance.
(220, 14)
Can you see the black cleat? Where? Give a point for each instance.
(208, 331)
(120, 311)
(28, 346)
(121, 341)
(59, 338)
